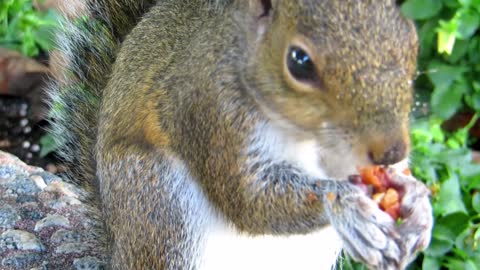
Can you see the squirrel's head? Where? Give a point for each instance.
(337, 71)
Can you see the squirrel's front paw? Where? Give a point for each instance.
(371, 235)
(416, 212)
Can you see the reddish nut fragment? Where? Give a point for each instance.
(407, 171)
(331, 197)
(312, 197)
(390, 203)
(375, 176)
(378, 197)
(384, 194)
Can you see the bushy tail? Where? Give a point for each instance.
(88, 46)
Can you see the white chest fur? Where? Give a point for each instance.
(226, 249)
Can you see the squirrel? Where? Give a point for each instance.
(221, 134)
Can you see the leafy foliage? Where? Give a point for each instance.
(25, 29)
(444, 162)
(450, 61)
(449, 53)
(29, 31)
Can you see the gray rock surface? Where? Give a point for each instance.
(43, 222)
(55, 220)
(20, 240)
(88, 263)
(8, 216)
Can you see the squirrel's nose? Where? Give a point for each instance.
(388, 155)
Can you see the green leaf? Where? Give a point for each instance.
(470, 265)
(472, 176)
(446, 101)
(450, 197)
(470, 170)
(475, 4)
(473, 101)
(476, 237)
(474, 50)
(468, 23)
(442, 232)
(437, 132)
(456, 264)
(438, 248)
(48, 145)
(476, 202)
(427, 36)
(464, 245)
(45, 38)
(431, 263)
(456, 222)
(459, 51)
(443, 75)
(465, 3)
(452, 4)
(421, 9)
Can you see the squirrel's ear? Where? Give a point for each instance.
(260, 8)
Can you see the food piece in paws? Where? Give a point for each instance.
(390, 203)
(383, 193)
(375, 176)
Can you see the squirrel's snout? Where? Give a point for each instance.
(388, 154)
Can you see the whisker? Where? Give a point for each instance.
(429, 71)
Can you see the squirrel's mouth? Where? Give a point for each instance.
(341, 153)
(339, 166)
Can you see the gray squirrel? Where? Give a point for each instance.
(221, 134)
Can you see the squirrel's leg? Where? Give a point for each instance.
(155, 223)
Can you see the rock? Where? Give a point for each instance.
(13, 167)
(44, 223)
(42, 267)
(69, 248)
(88, 263)
(46, 177)
(65, 236)
(21, 199)
(21, 261)
(23, 186)
(31, 214)
(8, 217)
(63, 202)
(6, 172)
(39, 181)
(20, 240)
(52, 221)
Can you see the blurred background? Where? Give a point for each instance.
(445, 123)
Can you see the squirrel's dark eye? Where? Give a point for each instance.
(300, 65)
